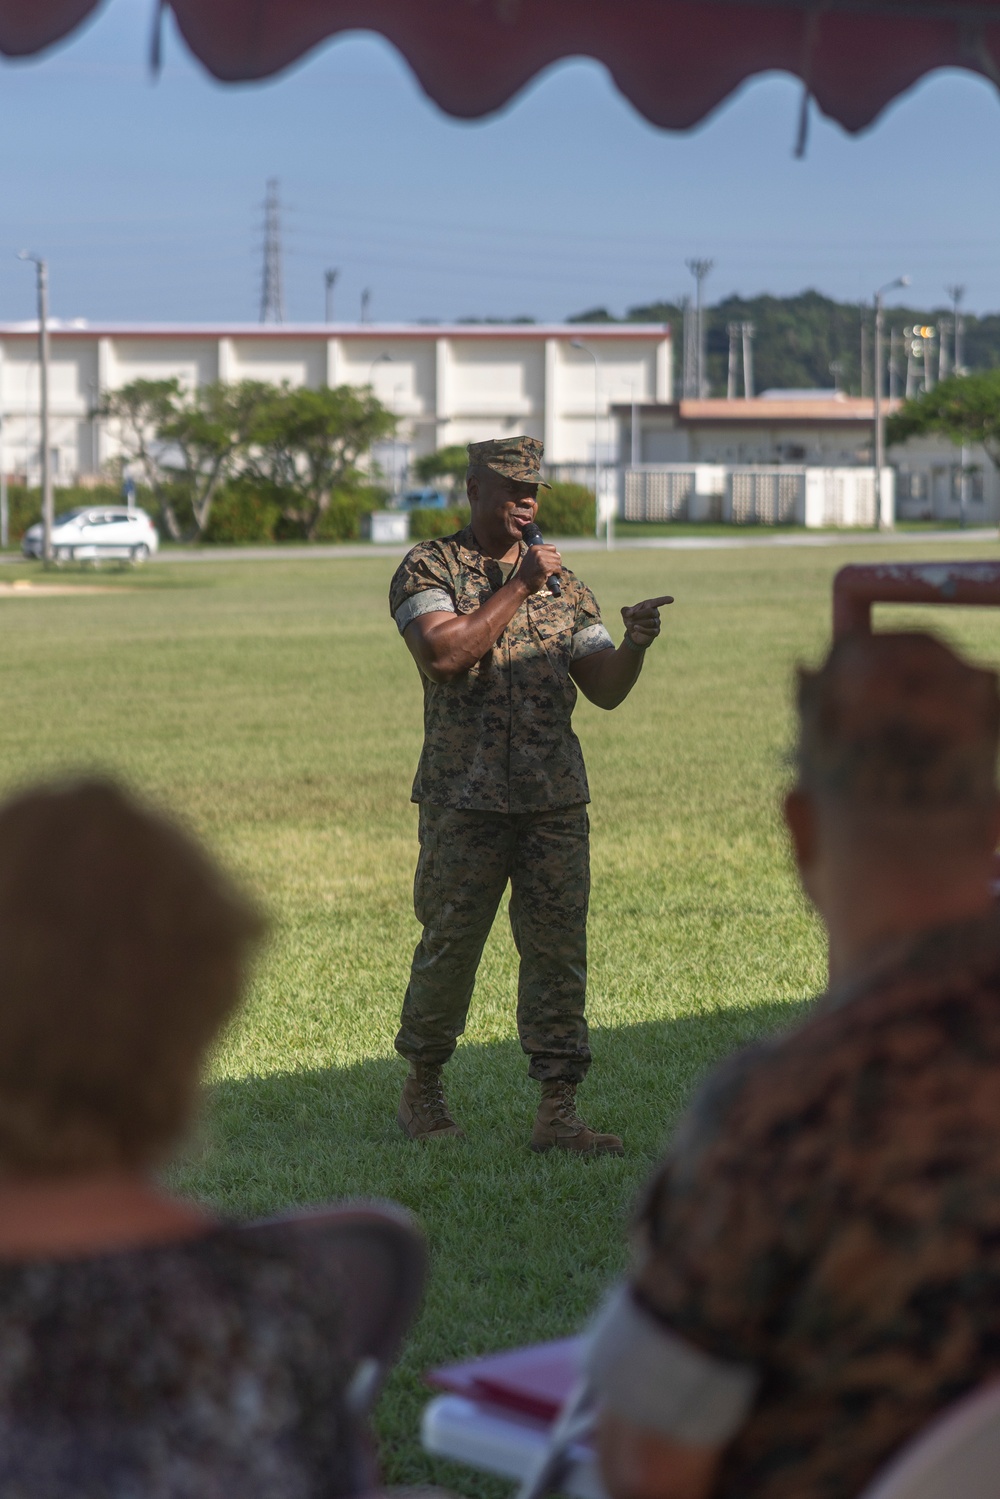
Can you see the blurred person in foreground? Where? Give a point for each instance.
(146, 1348)
(818, 1260)
(502, 787)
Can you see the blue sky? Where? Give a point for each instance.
(145, 196)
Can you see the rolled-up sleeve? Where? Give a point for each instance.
(421, 584)
(684, 1347)
(640, 1369)
(589, 633)
(428, 601)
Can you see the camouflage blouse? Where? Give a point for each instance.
(499, 738)
(197, 1370)
(828, 1222)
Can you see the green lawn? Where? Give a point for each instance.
(274, 706)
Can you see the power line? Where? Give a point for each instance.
(272, 295)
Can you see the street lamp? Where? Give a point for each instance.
(42, 270)
(879, 421)
(330, 281)
(578, 343)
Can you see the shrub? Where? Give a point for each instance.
(342, 521)
(242, 512)
(567, 510)
(425, 525)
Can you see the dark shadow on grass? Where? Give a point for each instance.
(522, 1245)
(306, 1135)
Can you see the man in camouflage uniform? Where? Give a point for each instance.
(502, 788)
(818, 1268)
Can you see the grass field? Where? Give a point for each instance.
(275, 707)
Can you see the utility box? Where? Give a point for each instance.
(386, 525)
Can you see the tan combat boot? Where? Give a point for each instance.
(423, 1113)
(558, 1125)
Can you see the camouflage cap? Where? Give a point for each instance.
(515, 457)
(899, 721)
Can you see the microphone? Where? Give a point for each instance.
(534, 538)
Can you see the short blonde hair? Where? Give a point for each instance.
(123, 951)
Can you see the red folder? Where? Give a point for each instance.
(532, 1381)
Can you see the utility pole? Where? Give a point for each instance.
(42, 272)
(944, 328)
(877, 386)
(699, 270)
(748, 330)
(272, 295)
(927, 337)
(895, 349)
(912, 368)
(690, 357)
(366, 298)
(330, 279)
(734, 330)
(956, 293)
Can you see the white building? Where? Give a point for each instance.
(447, 384)
(800, 430)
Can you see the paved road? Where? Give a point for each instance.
(584, 544)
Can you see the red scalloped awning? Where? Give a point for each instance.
(674, 59)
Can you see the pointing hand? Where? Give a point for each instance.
(642, 621)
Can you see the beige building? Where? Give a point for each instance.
(446, 384)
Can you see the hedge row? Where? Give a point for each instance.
(243, 512)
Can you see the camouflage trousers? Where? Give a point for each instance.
(466, 861)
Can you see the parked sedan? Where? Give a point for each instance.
(92, 535)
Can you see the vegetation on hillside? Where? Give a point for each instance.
(799, 339)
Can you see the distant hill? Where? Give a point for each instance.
(798, 338)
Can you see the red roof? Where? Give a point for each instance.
(843, 409)
(674, 59)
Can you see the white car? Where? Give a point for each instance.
(89, 535)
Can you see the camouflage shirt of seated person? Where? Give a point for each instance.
(819, 1258)
(499, 737)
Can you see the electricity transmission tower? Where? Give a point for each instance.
(272, 294)
(699, 270)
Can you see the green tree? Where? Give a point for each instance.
(186, 443)
(306, 445)
(136, 413)
(205, 437)
(965, 408)
(447, 463)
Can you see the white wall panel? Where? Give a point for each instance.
(299, 361)
(192, 361)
